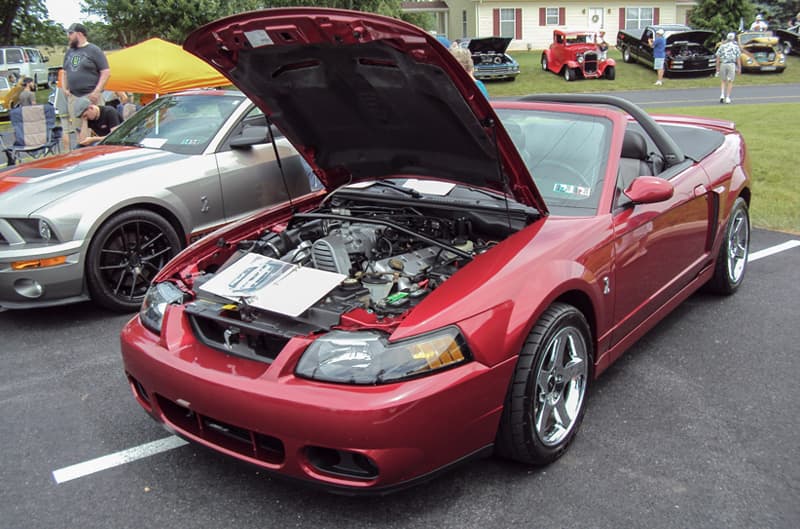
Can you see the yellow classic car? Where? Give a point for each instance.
(760, 52)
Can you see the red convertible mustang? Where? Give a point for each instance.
(434, 304)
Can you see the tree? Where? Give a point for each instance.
(132, 21)
(28, 22)
(722, 16)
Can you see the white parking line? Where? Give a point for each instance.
(118, 458)
(168, 443)
(766, 252)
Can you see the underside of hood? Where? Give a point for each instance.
(697, 36)
(364, 96)
(489, 45)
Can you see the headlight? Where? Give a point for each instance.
(367, 357)
(155, 303)
(44, 230)
(33, 230)
(579, 58)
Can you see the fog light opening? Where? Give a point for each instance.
(341, 463)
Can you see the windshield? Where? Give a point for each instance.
(566, 153)
(183, 124)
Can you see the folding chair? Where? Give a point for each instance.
(35, 133)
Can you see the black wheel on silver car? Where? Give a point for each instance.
(545, 402)
(734, 251)
(125, 255)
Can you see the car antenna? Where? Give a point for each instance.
(278, 161)
(503, 177)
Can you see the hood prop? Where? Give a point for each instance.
(279, 161)
(503, 177)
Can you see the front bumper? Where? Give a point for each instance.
(40, 287)
(346, 438)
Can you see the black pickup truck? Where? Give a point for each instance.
(686, 48)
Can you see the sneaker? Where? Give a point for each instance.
(721, 99)
(728, 100)
(657, 83)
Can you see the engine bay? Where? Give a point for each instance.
(391, 246)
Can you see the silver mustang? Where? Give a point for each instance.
(99, 222)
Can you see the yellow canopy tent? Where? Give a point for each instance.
(156, 66)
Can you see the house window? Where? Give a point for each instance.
(638, 17)
(508, 23)
(551, 16)
(464, 23)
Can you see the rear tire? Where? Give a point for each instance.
(731, 263)
(626, 55)
(125, 255)
(546, 399)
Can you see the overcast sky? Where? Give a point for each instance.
(65, 11)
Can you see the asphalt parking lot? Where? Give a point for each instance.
(696, 426)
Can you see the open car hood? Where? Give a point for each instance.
(697, 36)
(759, 40)
(489, 44)
(364, 96)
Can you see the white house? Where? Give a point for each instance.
(531, 24)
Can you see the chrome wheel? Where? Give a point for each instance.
(546, 398)
(734, 250)
(738, 244)
(560, 386)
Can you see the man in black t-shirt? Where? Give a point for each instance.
(96, 122)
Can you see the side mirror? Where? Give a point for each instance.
(649, 190)
(253, 135)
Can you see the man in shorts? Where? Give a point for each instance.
(728, 66)
(659, 45)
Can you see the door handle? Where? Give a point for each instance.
(700, 190)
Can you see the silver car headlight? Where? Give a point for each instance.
(34, 230)
(155, 303)
(367, 357)
(579, 58)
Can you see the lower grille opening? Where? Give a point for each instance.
(219, 433)
(341, 463)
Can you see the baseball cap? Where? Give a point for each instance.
(80, 105)
(77, 26)
(660, 31)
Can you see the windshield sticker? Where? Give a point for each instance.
(153, 143)
(572, 190)
(258, 38)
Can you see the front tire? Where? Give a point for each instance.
(733, 253)
(787, 47)
(569, 74)
(544, 63)
(610, 73)
(545, 402)
(125, 255)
